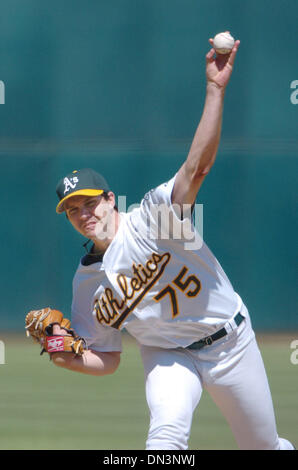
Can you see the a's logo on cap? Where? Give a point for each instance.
(70, 183)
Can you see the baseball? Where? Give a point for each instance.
(223, 43)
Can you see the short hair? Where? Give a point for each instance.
(106, 197)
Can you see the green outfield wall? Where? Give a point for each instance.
(119, 86)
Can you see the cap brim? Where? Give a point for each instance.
(80, 192)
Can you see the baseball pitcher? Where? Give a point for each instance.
(149, 272)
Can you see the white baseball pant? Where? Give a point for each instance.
(231, 370)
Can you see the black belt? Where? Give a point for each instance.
(219, 334)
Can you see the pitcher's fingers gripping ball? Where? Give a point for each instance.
(39, 325)
(223, 43)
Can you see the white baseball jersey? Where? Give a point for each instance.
(157, 279)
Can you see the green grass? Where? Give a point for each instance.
(45, 407)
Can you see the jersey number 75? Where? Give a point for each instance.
(190, 286)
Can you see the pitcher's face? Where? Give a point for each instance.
(91, 216)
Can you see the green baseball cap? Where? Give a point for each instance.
(84, 182)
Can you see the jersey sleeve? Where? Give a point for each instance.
(165, 220)
(98, 337)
